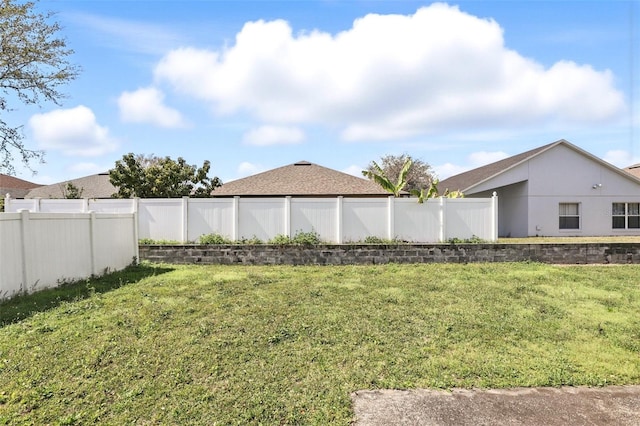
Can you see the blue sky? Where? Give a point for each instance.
(254, 85)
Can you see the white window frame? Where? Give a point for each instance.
(626, 215)
(563, 214)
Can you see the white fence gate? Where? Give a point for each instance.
(336, 220)
(40, 250)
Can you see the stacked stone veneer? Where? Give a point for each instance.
(350, 254)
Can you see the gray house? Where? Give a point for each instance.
(556, 190)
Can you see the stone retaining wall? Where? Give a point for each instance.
(346, 254)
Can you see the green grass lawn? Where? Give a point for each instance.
(570, 240)
(162, 344)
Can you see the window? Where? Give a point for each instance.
(625, 215)
(569, 216)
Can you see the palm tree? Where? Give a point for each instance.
(379, 176)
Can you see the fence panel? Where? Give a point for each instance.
(334, 219)
(315, 214)
(468, 217)
(14, 206)
(11, 261)
(161, 219)
(62, 206)
(210, 216)
(114, 205)
(363, 217)
(263, 218)
(417, 222)
(41, 250)
(115, 243)
(58, 248)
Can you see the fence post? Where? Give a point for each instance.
(287, 216)
(339, 219)
(391, 217)
(442, 217)
(185, 219)
(136, 238)
(7, 200)
(494, 216)
(92, 241)
(24, 237)
(236, 218)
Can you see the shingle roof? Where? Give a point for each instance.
(634, 170)
(15, 187)
(467, 180)
(464, 181)
(300, 179)
(93, 186)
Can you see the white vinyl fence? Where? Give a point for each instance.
(41, 250)
(336, 220)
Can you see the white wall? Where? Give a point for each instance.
(531, 192)
(40, 250)
(563, 175)
(336, 220)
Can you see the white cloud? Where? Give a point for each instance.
(87, 168)
(127, 35)
(391, 76)
(620, 158)
(72, 131)
(273, 135)
(354, 170)
(147, 106)
(474, 160)
(482, 158)
(446, 170)
(247, 169)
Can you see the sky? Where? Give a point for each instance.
(255, 85)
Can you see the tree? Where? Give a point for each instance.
(33, 65)
(160, 177)
(382, 178)
(419, 176)
(72, 192)
(433, 192)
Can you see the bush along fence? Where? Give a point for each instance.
(43, 250)
(335, 220)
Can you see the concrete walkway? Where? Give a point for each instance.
(613, 405)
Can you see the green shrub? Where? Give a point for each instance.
(377, 240)
(306, 238)
(473, 240)
(211, 239)
(149, 241)
(251, 241)
(280, 239)
(300, 238)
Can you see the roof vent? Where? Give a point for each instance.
(302, 163)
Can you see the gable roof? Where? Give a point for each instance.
(14, 186)
(634, 170)
(300, 179)
(93, 186)
(468, 180)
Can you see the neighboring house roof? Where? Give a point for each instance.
(300, 179)
(634, 170)
(93, 186)
(16, 188)
(466, 181)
